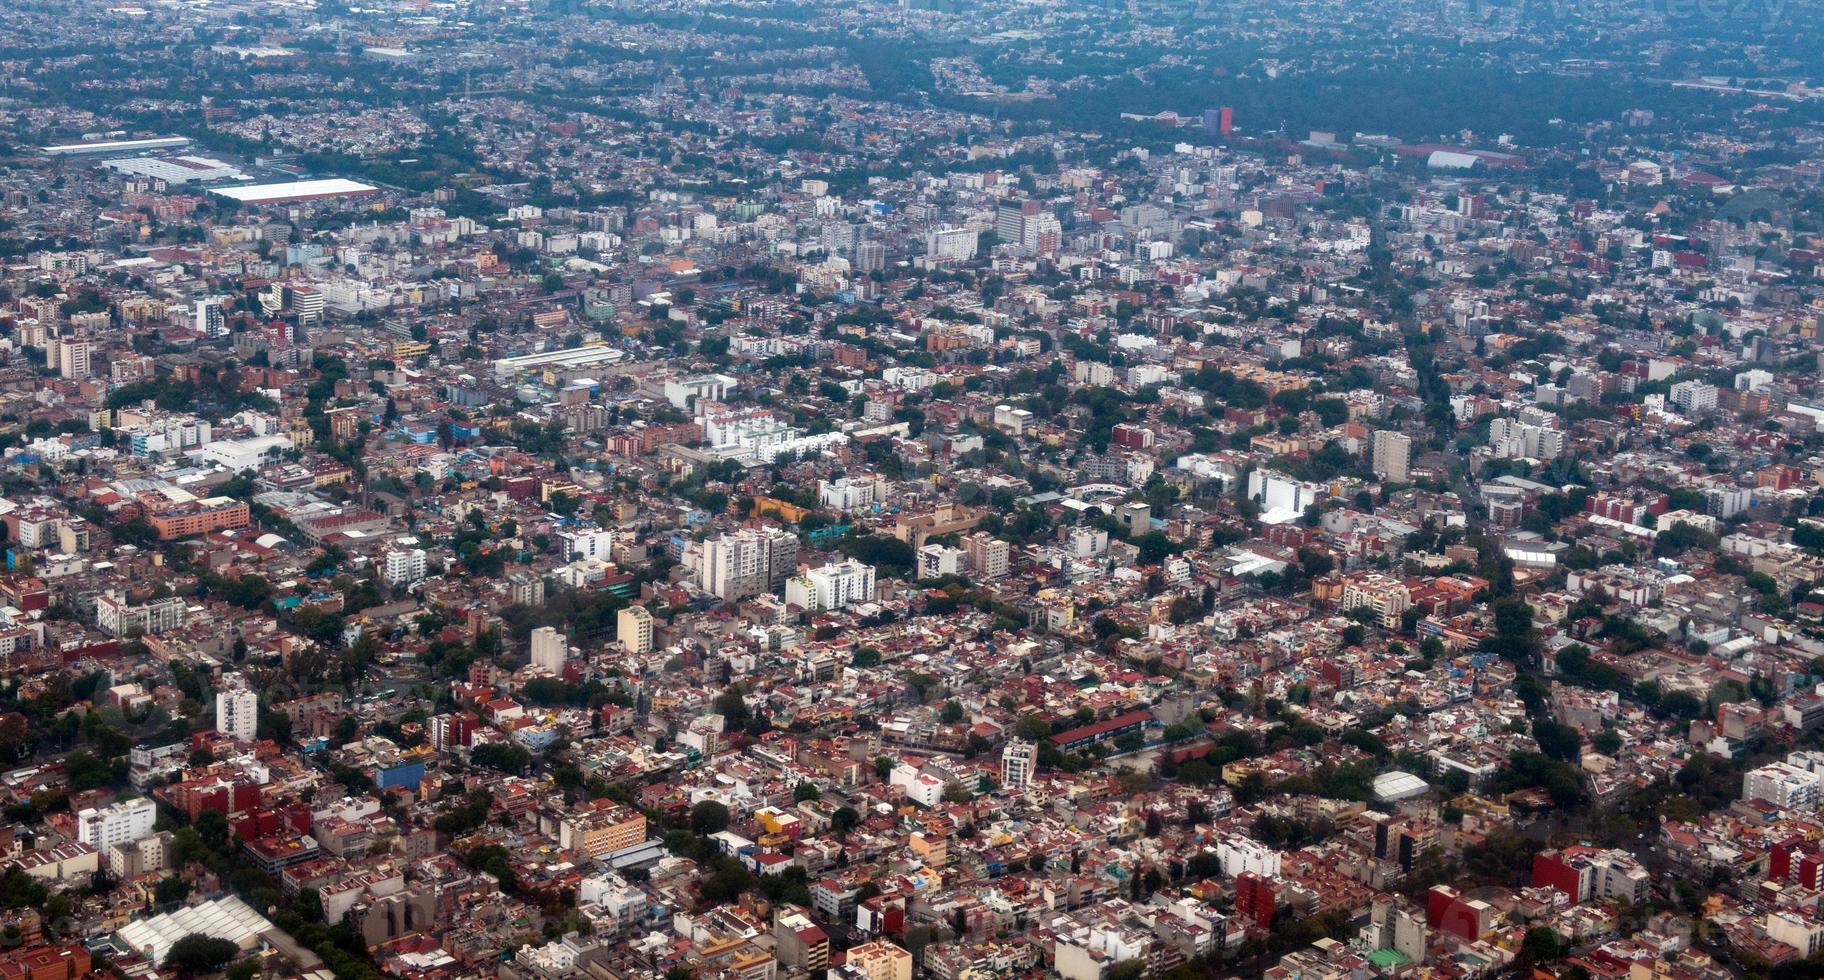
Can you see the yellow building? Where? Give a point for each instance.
(784, 510)
(633, 628)
(1384, 595)
(777, 821)
(565, 487)
(737, 958)
(602, 831)
(881, 960)
(933, 851)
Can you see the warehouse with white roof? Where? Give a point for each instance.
(297, 191)
(225, 918)
(178, 170)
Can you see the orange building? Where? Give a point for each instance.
(45, 963)
(782, 509)
(208, 515)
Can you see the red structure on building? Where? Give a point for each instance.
(264, 822)
(1550, 868)
(1256, 898)
(1447, 911)
(1796, 859)
(1132, 436)
(45, 963)
(224, 796)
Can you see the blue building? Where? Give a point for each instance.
(406, 775)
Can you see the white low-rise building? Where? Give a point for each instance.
(118, 823)
(833, 586)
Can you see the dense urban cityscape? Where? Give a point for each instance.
(784, 490)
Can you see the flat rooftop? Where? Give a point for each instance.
(296, 190)
(116, 146)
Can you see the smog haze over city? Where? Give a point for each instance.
(911, 489)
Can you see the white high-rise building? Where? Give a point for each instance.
(833, 586)
(237, 709)
(746, 562)
(116, 618)
(211, 318)
(1694, 396)
(1019, 760)
(698, 390)
(74, 358)
(847, 493)
(119, 823)
(988, 555)
(404, 566)
(1786, 786)
(549, 649)
(951, 244)
(1011, 219)
(1509, 439)
(936, 561)
(1239, 854)
(868, 257)
(1392, 455)
(307, 302)
(1039, 234)
(585, 542)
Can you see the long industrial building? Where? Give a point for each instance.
(576, 357)
(116, 147)
(177, 170)
(297, 191)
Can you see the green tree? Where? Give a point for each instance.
(1032, 728)
(708, 817)
(1542, 944)
(1555, 740)
(197, 954)
(170, 890)
(501, 756)
(728, 881)
(732, 707)
(1126, 970)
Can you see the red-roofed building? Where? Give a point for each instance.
(1080, 738)
(45, 963)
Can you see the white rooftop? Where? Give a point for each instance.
(179, 169)
(295, 190)
(1396, 785)
(226, 918)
